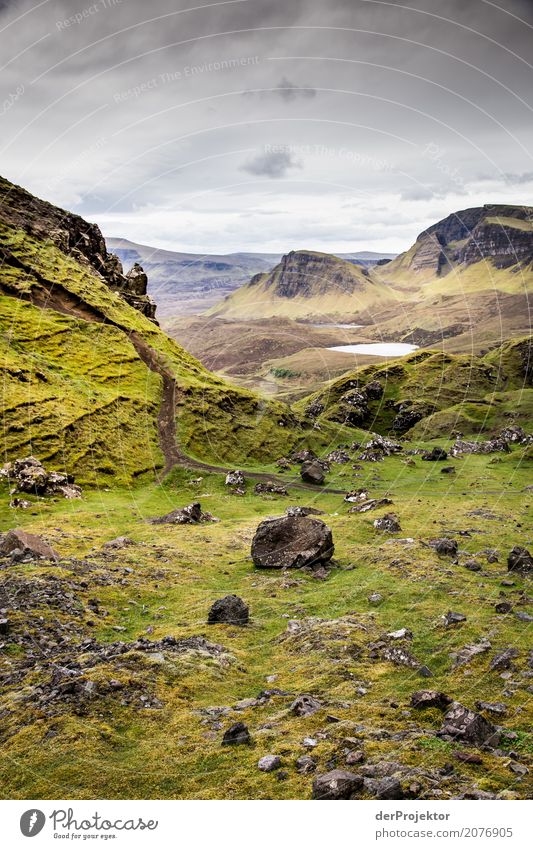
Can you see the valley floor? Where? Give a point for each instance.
(97, 703)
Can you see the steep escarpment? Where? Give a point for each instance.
(499, 233)
(74, 237)
(89, 383)
(305, 284)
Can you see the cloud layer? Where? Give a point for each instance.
(268, 125)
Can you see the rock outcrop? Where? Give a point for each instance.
(75, 237)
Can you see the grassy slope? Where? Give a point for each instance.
(109, 750)
(101, 400)
(475, 395)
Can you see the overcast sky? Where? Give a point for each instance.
(268, 125)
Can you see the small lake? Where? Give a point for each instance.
(377, 349)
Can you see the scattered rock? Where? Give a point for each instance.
(430, 699)
(444, 547)
(472, 565)
(4, 627)
(236, 735)
(30, 476)
(356, 495)
(448, 470)
(303, 511)
(190, 515)
(118, 543)
(503, 607)
(425, 672)
(435, 455)
(401, 634)
(375, 598)
(385, 788)
(292, 542)
(520, 560)
(355, 757)
(236, 479)
(467, 653)
(337, 784)
(305, 705)
(466, 726)
(269, 763)
(231, 610)
(488, 447)
(338, 456)
(371, 504)
(305, 764)
(270, 487)
(453, 618)
(389, 523)
(29, 546)
(503, 660)
(312, 472)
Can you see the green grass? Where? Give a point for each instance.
(114, 751)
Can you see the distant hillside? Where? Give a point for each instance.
(305, 284)
(186, 283)
(467, 278)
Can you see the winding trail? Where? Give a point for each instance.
(55, 296)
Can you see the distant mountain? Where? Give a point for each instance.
(186, 283)
(305, 284)
(189, 284)
(467, 277)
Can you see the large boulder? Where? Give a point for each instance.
(231, 610)
(520, 560)
(29, 546)
(337, 784)
(312, 472)
(466, 726)
(292, 542)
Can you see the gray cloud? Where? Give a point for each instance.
(133, 114)
(274, 164)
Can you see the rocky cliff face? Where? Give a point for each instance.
(306, 274)
(75, 237)
(501, 233)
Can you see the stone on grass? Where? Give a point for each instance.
(312, 472)
(305, 764)
(436, 454)
(389, 523)
(235, 478)
(231, 610)
(465, 726)
(451, 618)
(384, 788)
(269, 487)
(292, 542)
(269, 763)
(445, 547)
(305, 705)
(504, 659)
(430, 699)
(520, 560)
(236, 735)
(30, 545)
(337, 784)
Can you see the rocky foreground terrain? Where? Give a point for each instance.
(372, 641)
